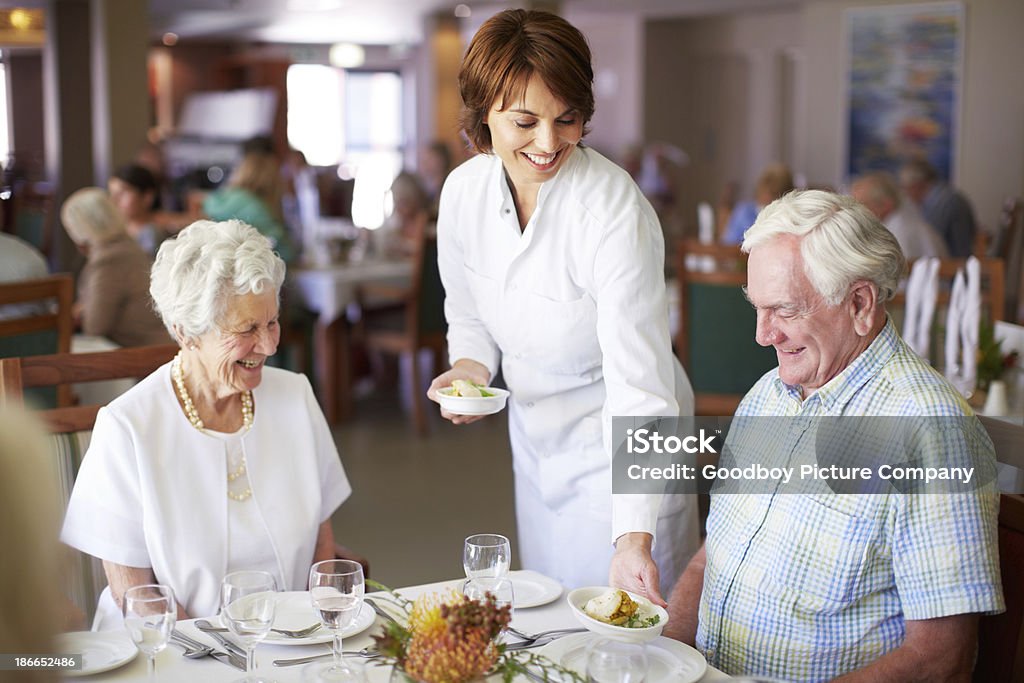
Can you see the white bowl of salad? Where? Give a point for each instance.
(616, 613)
(469, 398)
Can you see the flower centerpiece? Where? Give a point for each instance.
(992, 362)
(449, 638)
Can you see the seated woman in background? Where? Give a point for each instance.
(402, 232)
(775, 180)
(253, 196)
(213, 463)
(133, 190)
(112, 298)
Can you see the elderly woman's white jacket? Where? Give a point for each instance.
(152, 489)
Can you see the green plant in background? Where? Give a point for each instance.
(992, 363)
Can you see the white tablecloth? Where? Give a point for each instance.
(329, 290)
(171, 666)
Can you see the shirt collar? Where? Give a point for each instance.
(839, 390)
(504, 194)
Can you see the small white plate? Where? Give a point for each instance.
(533, 589)
(581, 596)
(100, 650)
(669, 661)
(473, 405)
(295, 611)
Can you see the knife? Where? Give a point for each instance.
(228, 645)
(369, 654)
(228, 658)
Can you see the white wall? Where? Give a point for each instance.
(616, 45)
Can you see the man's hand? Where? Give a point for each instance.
(466, 369)
(634, 569)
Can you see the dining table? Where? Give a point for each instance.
(328, 290)
(171, 665)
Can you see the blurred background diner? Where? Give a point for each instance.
(331, 127)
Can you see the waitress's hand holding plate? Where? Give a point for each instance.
(472, 377)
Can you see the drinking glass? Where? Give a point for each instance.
(247, 603)
(336, 590)
(150, 613)
(616, 661)
(486, 558)
(501, 589)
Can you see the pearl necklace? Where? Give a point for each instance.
(197, 422)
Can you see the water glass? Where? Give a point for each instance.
(150, 613)
(486, 557)
(248, 600)
(616, 661)
(336, 589)
(501, 589)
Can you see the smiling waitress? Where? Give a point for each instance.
(551, 260)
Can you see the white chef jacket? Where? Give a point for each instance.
(152, 489)
(574, 308)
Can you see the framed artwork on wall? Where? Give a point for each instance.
(904, 69)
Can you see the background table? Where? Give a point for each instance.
(328, 291)
(171, 666)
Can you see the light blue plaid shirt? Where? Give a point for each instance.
(807, 587)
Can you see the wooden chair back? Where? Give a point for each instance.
(1001, 636)
(18, 374)
(44, 328)
(716, 342)
(71, 427)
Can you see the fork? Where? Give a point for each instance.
(538, 636)
(365, 652)
(193, 649)
(298, 632)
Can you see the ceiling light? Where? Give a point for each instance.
(20, 19)
(170, 39)
(347, 55)
(463, 11)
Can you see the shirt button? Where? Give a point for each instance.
(529, 405)
(508, 211)
(710, 654)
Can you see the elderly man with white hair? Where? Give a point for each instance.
(883, 586)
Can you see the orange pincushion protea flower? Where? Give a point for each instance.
(452, 638)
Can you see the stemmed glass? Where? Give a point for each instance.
(247, 604)
(150, 613)
(486, 558)
(616, 661)
(336, 589)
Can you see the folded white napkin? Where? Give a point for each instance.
(957, 305)
(969, 323)
(926, 312)
(910, 310)
(922, 291)
(705, 223)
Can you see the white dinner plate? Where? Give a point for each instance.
(533, 589)
(669, 661)
(295, 611)
(100, 650)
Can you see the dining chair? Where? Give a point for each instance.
(715, 342)
(1009, 246)
(418, 323)
(1001, 636)
(71, 428)
(41, 323)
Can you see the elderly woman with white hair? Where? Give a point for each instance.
(213, 463)
(112, 298)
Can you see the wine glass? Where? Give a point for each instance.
(486, 558)
(501, 589)
(150, 613)
(616, 661)
(336, 590)
(247, 605)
